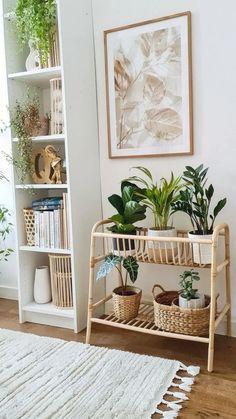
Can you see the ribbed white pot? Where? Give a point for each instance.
(42, 285)
(198, 302)
(164, 250)
(201, 252)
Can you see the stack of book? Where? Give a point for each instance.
(52, 222)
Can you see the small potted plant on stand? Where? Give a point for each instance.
(189, 296)
(195, 201)
(159, 199)
(129, 211)
(126, 299)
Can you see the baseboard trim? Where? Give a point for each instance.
(10, 293)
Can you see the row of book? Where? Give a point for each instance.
(52, 222)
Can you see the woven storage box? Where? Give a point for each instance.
(126, 307)
(29, 226)
(61, 280)
(170, 317)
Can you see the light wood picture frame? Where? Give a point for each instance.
(148, 72)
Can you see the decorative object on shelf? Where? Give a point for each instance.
(36, 21)
(32, 61)
(46, 165)
(57, 118)
(42, 285)
(195, 201)
(61, 280)
(189, 296)
(29, 226)
(5, 229)
(159, 198)
(126, 299)
(129, 211)
(149, 94)
(168, 316)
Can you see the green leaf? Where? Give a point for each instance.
(131, 266)
(145, 171)
(110, 262)
(219, 207)
(117, 202)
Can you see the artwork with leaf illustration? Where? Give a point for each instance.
(148, 77)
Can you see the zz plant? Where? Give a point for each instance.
(129, 264)
(196, 200)
(36, 21)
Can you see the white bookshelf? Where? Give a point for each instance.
(80, 146)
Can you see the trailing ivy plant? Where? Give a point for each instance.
(24, 119)
(5, 228)
(36, 21)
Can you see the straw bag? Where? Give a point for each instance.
(170, 317)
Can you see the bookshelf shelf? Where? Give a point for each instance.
(45, 250)
(42, 186)
(46, 139)
(48, 308)
(39, 78)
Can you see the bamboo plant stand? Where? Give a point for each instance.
(181, 255)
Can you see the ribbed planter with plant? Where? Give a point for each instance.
(36, 23)
(159, 199)
(189, 297)
(129, 211)
(126, 299)
(196, 202)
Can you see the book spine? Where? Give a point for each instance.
(36, 228)
(41, 230)
(51, 224)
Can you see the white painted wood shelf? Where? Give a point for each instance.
(45, 250)
(54, 138)
(39, 78)
(48, 308)
(42, 186)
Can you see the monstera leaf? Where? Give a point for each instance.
(109, 263)
(131, 266)
(163, 124)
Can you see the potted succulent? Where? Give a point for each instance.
(195, 201)
(159, 199)
(129, 211)
(126, 299)
(189, 296)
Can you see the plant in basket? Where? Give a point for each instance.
(196, 201)
(129, 211)
(159, 197)
(126, 298)
(189, 296)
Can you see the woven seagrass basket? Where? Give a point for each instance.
(126, 307)
(168, 316)
(29, 226)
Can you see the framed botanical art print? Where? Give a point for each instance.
(148, 86)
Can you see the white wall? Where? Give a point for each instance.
(8, 275)
(214, 107)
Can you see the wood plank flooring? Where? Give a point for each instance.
(213, 395)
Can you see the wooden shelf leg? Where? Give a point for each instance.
(212, 309)
(227, 279)
(90, 297)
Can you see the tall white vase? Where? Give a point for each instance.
(42, 285)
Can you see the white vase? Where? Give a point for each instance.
(201, 252)
(198, 302)
(42, 285)
(163, 250)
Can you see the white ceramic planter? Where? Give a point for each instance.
(198, 302)
(201, 252)
(163, 250)
(42, 285)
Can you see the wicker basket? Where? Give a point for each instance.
(29, 226)
(126, 307)
(170, 317)
(61, 280)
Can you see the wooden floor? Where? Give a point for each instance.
(213, 395)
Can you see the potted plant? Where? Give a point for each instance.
(129, 211)
(159, 199)
(26, 122)
(189, 296)
(195, 201)
(126, 299)
(36, 23)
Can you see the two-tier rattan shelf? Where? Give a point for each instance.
(173, 251)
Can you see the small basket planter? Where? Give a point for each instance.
(61, 280)
(29, 226)
(168, 316)
(126, 307)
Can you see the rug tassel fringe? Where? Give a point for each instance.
(191, 370)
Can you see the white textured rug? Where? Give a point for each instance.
(46, 378)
